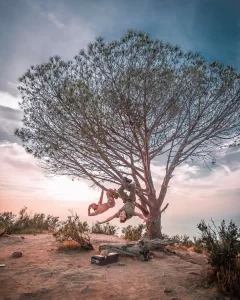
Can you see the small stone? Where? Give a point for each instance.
(108, 266)
(167, 290)
(22, 237)
(163, 274)
(121, 265)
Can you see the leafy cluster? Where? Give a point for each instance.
(27, 223)
(75, 231)
(133, 233)
(104, 229)
(223, 245)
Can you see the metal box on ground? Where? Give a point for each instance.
(104, 260)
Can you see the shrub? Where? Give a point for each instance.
(223, 247)
(104, 229)
(197, 245)
(7, 220)
(25, 223)
(69, 246)
(184, 240)
(74, 230)
(133, 233)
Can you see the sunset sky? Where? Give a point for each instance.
(33, 30)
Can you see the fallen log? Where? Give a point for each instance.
(157, 243)
(140, 249)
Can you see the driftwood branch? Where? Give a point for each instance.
(140, 249)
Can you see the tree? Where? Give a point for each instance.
(117, 107)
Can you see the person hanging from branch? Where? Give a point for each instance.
(128, 210)
(100, 208)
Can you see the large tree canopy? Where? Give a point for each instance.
(119, 106)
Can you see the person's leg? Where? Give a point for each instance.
(122, 194)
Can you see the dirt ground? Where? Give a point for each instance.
(45, 273)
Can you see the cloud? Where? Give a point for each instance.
(10, 119)
(14, 85)
(52, 18)
(20, 174)
(7, 100)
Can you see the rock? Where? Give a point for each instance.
(22, 237)
(167, 290)
(17, 254)
(121, 265)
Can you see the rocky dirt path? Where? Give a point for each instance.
(45, 273)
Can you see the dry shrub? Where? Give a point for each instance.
(74, 230)
(104, 229)
(133, 233)
(223, 246)
(69, 245)
(25, 223)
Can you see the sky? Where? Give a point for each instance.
(33, 30)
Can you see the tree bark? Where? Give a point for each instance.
(154, 225)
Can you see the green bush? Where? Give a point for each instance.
(197, 245)
(133, 233)
(104, 229)
(184, 240)
(74, 230)
(223, 246)
(181, 239)
(25, 223)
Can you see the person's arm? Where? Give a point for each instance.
(101, 197)
(109, 219)
(95, 213)
(141, 216)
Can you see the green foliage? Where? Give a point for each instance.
(25, 223)
(74, 230)
(133, 233)
(197, 245)
(181, 239)
(104, 229)
(223, 245)
(184, 240)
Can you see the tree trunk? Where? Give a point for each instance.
(154, 225)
